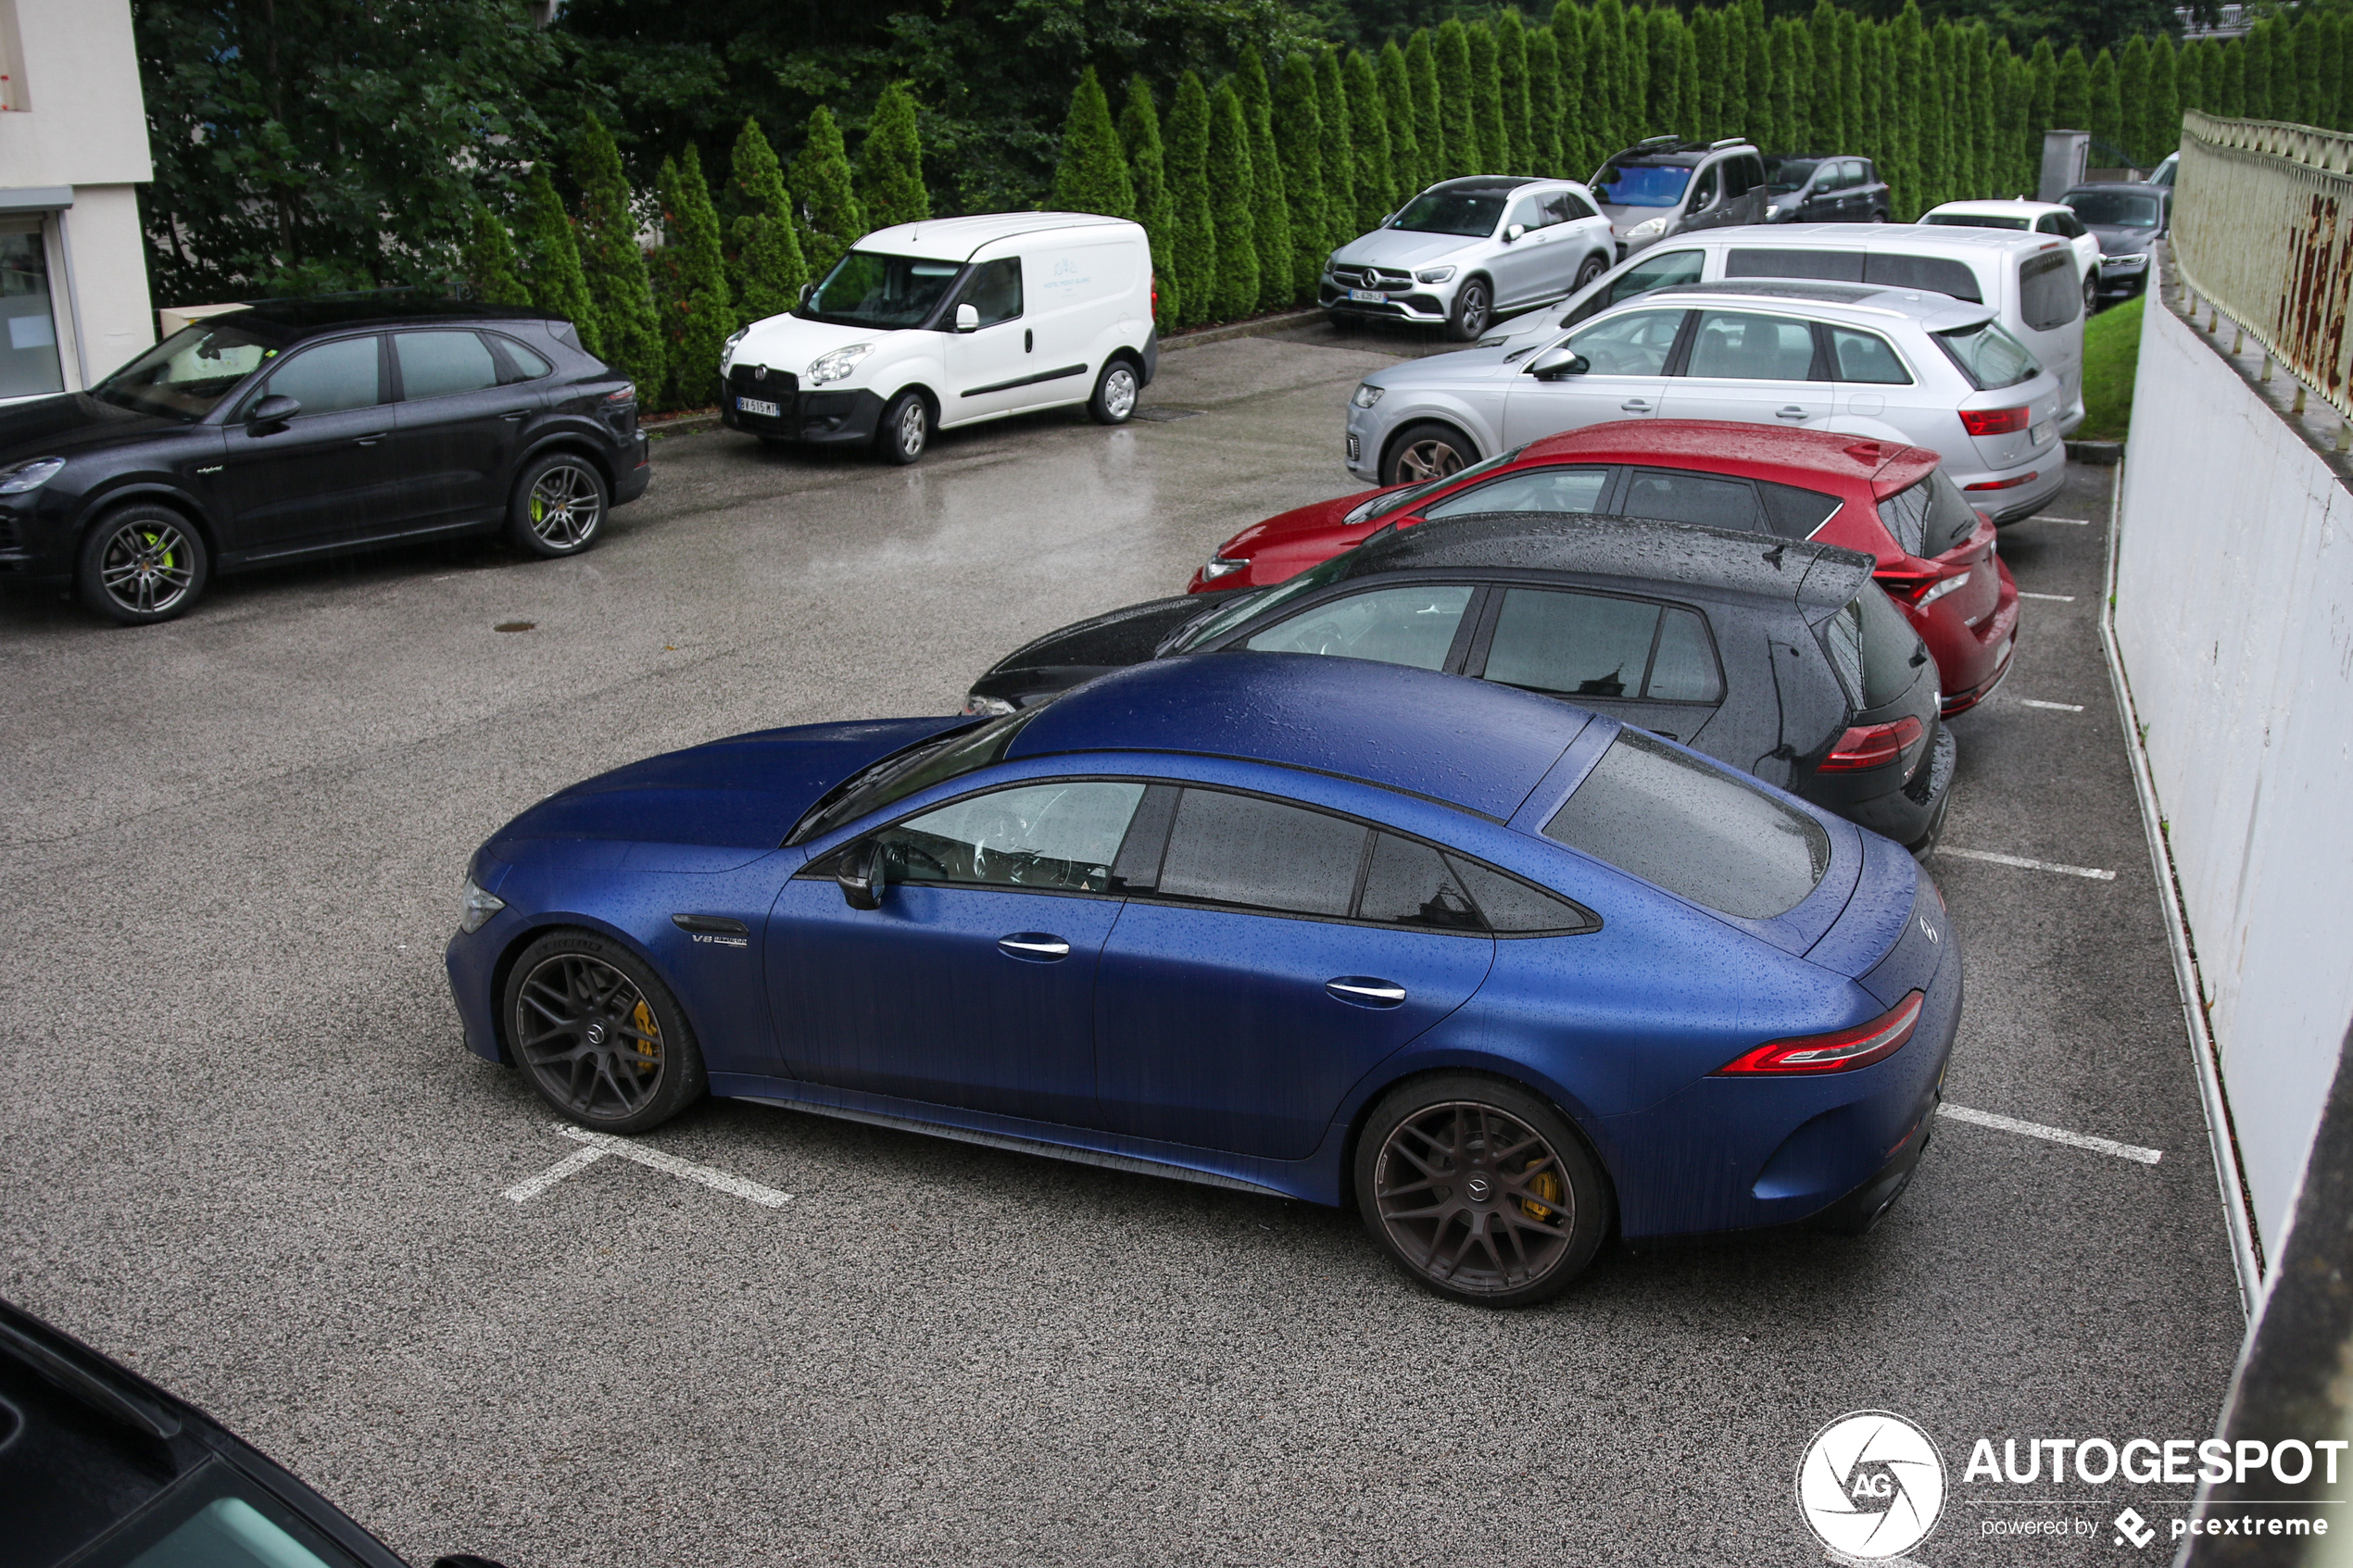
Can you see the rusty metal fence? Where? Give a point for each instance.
(2263, 232)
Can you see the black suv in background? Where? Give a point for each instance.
(2128, 220)
(1814, 189)
(286, 431)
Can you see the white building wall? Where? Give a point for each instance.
(2234, 618)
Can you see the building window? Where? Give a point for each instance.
(28, 365)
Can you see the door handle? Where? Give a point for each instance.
(1033, 946)
(518, 414)
(1791, 412)
(1636, 405)
(371, 440)
(1364, 991)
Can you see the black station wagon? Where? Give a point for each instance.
(285, 430)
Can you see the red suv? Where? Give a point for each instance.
(1935, 551)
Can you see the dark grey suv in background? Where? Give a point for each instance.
(1813, 189)
(1666, 186)
(287, 431)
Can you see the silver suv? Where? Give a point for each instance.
(1669, 186)
(1466, 251)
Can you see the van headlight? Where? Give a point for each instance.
(1435, 274)
(1365, 395)
(1649, 229)
(838, 365)
(475, 907)
(727, 349)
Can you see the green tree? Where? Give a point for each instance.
(1368, 115)
(1662, 48)
(1271, 225)
(1909, 39)
(830, 217)
(697, 313)
(1155, 201)
(1430, 120)
(2042, 108)
(493, 270)
(890, 163)
(1487, 99)
(1765, 99)
(1606, 78)
(2189, 65)
(2133, 96)
(2107, 104)
(1299, 132)
(2226, 79)
(1511, 70)
(767, 269)
(1708, 45)
(1830, 103)
(551, 254)
(1454, 106)
(1544, 107)
(1855, 130)
(2160, 106)
(1937, 124)
(2311, 39)
(2255, 71)
(613, 265)
(1781, 116)
(2071, 94)
(1635, 66)
(1982, 137)
(1194, 256)
(1340, 157)
(1236, 294)
(2011, 92)
(1687, 74)
(1578, 113)
(1092, 173)
(1735, 115)
(1404, 118)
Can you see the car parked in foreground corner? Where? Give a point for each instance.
(2033, 217)
(2127, 219)
(287, 431)
(100, 1468)
(1665, 186)
(1313, 928)
(1777, 656)
(1936, 554)
(949, 322)
(1894, 365)
(1837, 188)
(1465, 251)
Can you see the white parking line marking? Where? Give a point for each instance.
(578, 1160)
(2055, 598)
(2070, 521)
(2056, 1134)
(2024, 864)
(608, 1144)
(2056, 707)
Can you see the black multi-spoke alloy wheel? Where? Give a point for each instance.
(1472, 305)
(1595, 265)
(141, 564)
(1115, 392)
(1480, 1190)
(601, 1037)
(559, 504)
(1427, 451)
(905, 429)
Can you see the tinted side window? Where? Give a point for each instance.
(1654, 813)
(1261, 854)
(1797, 513)
(519, 363)
(1675, 496)
(1684, 668)
(2048, 295)
(1859, 172)
(438, 364)
(1736, 345)
(1872, 646)
(1528, 213)
(1568, 206)
(1407, 882)
(1513, 908)
(1530, 490)
(1865, 357)
(995, 291)
(331, 377)
(1758, 261)
(1929, 517)
(1651, 272)
(1413, 626)
(1632, 345)
(1572, 645)
(1704, 189)
(1059, 837)
(1938, 274)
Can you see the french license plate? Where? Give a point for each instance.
(2039, 433)
(755, 405)
(1367, 296)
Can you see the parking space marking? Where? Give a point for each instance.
(2055, 598)
(2070, 521)
(601, 1144)
(2056, 1134)
(2055, 707)
(2093, 873)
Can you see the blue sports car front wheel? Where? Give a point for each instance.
(600, 1037)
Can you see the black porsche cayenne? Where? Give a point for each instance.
(291, 429)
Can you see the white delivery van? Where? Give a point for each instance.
(928, 326)
(2030, 280)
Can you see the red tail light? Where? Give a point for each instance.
(1921, 589)
(1841, 1051)
(628, 393)
(1871, 745)
(2027, 478)
(1994, 422)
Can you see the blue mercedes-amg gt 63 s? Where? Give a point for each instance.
(1504, 974)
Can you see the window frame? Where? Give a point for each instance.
(824, 868)
(959, 295)
(388, 384)
(1491, 615)
(1603, 499)
(1679, 360)
(498, 363)
(1238, 639)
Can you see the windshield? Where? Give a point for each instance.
(2116, 210)
(1988, 356)
(1974, 220)
(1790, 173)
(1642, 185)
(919, 767)
(217, 1519)
(1398, 500)
(1451, 212)
(1245, 606)
(866, 289)
(187, 374)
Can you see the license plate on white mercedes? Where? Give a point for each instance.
(754, 405)
(1368, 296)
(2039, 434)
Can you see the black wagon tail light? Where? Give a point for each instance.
(1841, 1051)
(1872, 746)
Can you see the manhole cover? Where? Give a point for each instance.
(1166, 415)
(514, 625)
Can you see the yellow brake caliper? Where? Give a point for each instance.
(1546, 1185)
(648, 1057)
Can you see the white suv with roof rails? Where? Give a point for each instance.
(2028, 280)
(949, 322)
(1897, 365)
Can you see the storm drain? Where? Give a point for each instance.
(1167, 415)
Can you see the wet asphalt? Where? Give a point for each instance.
(246, 1151)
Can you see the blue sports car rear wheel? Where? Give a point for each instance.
(601, 1038)
(1480, 1191)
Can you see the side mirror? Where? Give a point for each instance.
(271, 413)
(1511, 234)
(861, 876)
(967, 318)
(1557, 362)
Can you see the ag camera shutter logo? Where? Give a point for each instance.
(1870, 1485)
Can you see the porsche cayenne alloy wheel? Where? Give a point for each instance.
(142, 565)
(558, 506)
(603, 1040)
(1480, 1191)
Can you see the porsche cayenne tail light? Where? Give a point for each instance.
(1841, 1051)
(628, 393)
(1994, 422)
(1871, 745)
